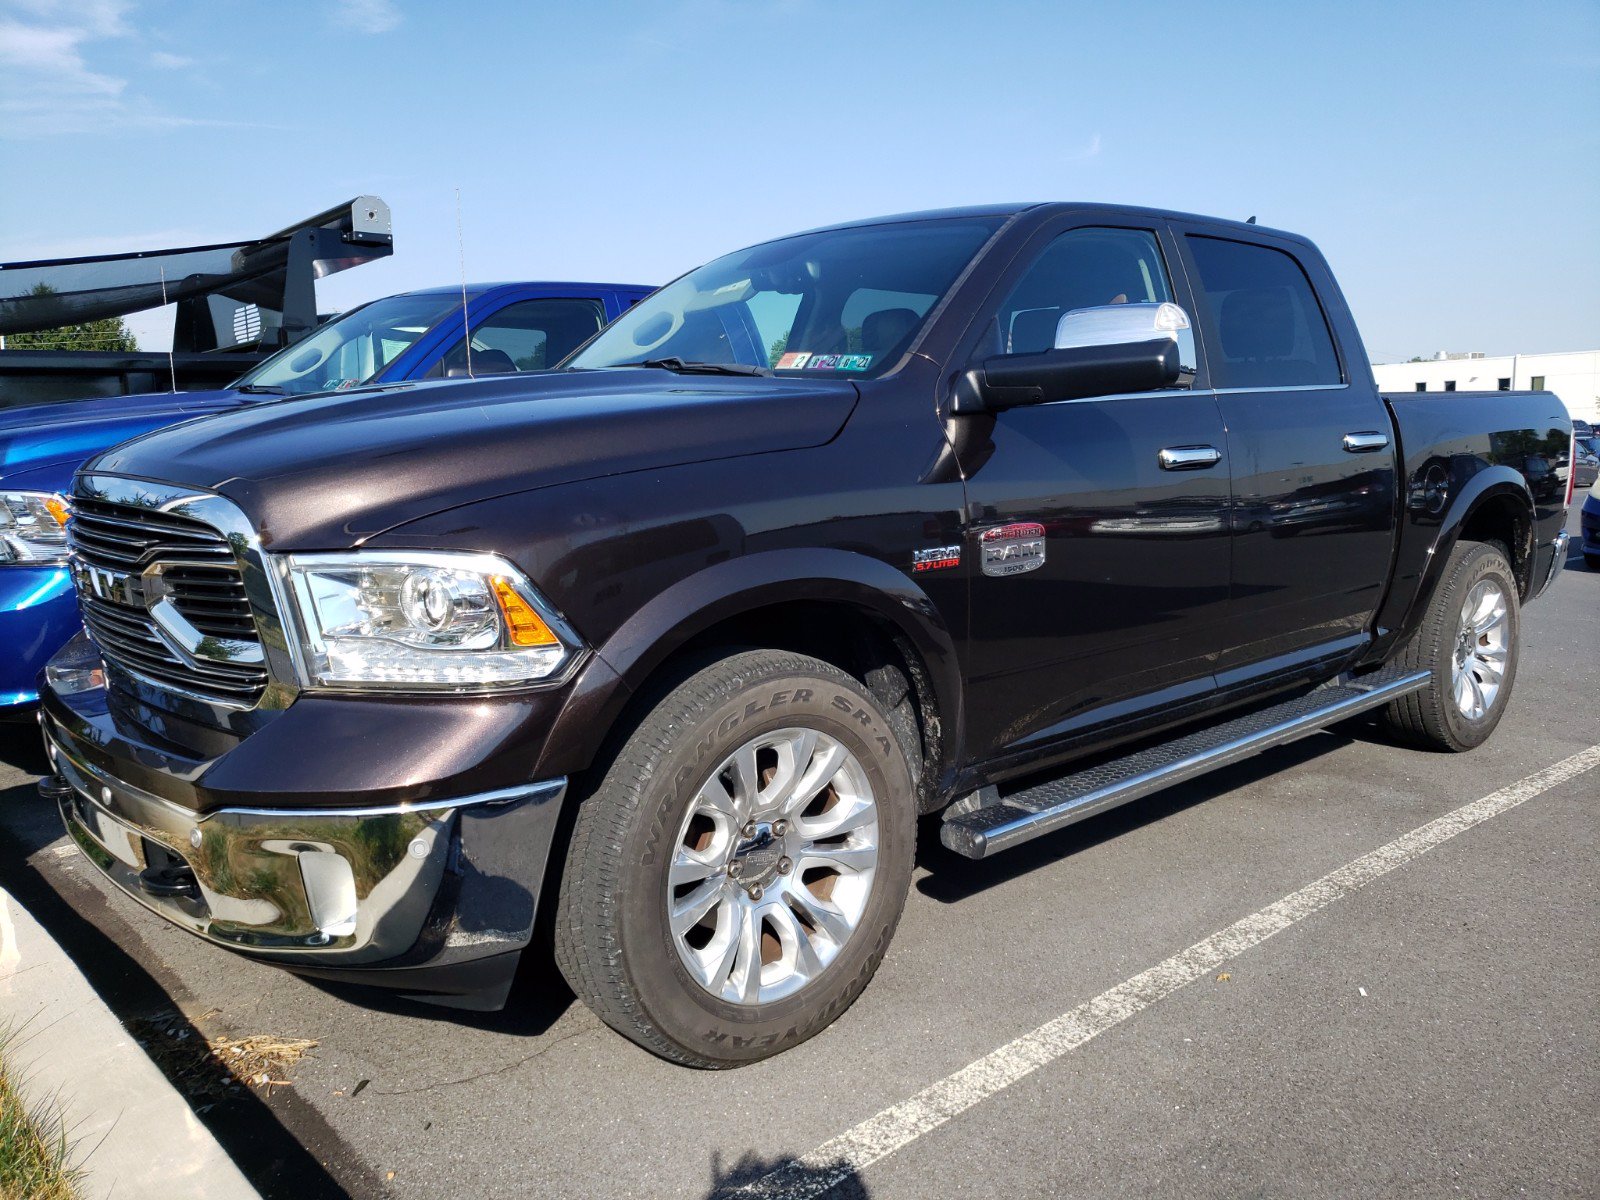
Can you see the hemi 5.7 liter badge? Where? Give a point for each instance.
(940, 558)
(1013, 549)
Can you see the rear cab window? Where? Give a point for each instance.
(1264, 325)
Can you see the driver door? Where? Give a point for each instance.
(1099, 566)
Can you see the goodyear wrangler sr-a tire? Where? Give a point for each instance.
(735, 878)
(1469, 641)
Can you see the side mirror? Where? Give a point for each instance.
(1098, 352)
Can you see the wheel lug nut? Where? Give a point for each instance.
(785, 865)
(749, 829)
(779, 828)
(735, 869)
(755, 893)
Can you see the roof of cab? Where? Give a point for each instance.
(1054, 207)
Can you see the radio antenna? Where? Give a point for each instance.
(172, 366)
(461, 249)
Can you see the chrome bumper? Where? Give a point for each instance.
(423, 886)
(1558, 559)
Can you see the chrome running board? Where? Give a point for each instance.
(986, 824)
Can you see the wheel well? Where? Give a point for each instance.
(857, 641)
(1502, 521)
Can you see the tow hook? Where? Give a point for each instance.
(169, 881)
(167, 874)
(54, 787)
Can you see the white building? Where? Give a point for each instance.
(1574, 376)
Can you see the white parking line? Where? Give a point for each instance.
(898, 1126)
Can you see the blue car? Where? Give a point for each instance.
(1591, 529)
(414, 335)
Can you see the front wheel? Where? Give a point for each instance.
(735, 878)
(1469, 641)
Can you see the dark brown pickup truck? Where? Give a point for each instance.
(1009, 514)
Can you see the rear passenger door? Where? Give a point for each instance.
(1312, 468)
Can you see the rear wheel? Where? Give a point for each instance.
(735, 878)
(1468, 641)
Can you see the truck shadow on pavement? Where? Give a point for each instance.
(539, 995)
(275, 1161)
(728, 1179)
(953, 878)
(22, 746)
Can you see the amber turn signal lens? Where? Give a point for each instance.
(58, 509)
(527, 628)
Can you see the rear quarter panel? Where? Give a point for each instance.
(1459, 451)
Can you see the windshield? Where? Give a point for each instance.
(842, 301)
(353, 348)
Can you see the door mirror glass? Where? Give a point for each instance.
(1122, 324)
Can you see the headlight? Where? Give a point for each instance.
(424, 619)
(33, 527)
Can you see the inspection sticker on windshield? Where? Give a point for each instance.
(805, 360)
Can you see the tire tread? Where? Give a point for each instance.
(586, 951)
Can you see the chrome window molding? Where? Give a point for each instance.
(1298, 387)
(261, 582)
(1286, 387)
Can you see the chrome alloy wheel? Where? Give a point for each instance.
(773, 866)
(1478, 665)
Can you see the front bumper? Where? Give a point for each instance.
(436, 899)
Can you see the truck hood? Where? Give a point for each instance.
(39, 437)
(329, 471)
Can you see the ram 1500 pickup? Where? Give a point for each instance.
(1010, 514)
(415, 335)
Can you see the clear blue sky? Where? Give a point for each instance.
(1446, 156)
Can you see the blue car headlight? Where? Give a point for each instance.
(33, 528)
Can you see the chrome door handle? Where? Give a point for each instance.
(1365, 442)
(1189, 458)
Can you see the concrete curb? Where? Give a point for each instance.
(136, 1136)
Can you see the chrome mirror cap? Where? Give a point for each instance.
(1117, 324)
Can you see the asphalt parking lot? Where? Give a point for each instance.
(1433, 1032)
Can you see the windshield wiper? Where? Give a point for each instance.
(262, 389)
(679, 367)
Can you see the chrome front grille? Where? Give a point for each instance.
(132, 565)
(129, 538)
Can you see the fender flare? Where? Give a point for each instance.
(669, 620)
(1487, 485)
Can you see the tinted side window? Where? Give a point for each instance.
(1268, 327)
(1083, 268)
(530, 335)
